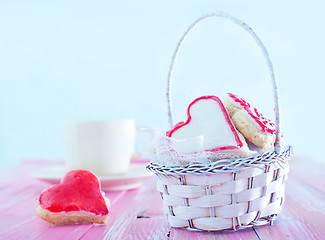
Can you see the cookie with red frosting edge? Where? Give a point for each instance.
(249, 122)
(77, 199)
(239, 146)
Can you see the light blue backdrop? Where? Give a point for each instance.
(97, 60)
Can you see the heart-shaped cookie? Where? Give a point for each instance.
(76, 199)
(209, 122)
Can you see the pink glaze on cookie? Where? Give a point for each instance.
(226, 116)
(265, 124)
(79, 190)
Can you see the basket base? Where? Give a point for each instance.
(223, 201)
(261, 222)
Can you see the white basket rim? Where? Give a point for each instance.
(225, 165)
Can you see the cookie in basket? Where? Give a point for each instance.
(77, 199)
(209, 122)
(230, 194)
(249, 122)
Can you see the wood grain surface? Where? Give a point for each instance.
(138, 213)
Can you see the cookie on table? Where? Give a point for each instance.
(77, 199)
(249, 122)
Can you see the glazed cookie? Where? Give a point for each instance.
(207, 118)
(77, 199)
(249, 122)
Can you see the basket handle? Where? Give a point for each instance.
(258, 41)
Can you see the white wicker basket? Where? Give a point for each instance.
(227, 194)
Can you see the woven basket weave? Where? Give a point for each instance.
(227, 194)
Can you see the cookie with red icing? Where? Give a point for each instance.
(77, 199)
(249, 122)
(209, 122)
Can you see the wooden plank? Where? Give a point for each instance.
(18, 194)
(303, 215)
(30, 228)
(309, 171)
(19, 215)
(185, 234)
(136, 215)
(118, 210)
(21, 221)
(154, 227)
(65, 232)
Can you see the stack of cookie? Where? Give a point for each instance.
(223, 126)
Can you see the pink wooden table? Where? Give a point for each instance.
(137, 214)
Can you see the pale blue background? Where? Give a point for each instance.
(97, 60)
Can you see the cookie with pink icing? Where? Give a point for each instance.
(77, 199)
(208, 120)
(249, 122)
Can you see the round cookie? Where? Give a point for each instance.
(248, 121)
(253, 133)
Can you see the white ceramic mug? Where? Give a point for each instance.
(103, 147)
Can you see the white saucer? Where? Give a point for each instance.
(132, 179)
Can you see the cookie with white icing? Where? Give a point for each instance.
(208, 119)
(249, 122)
